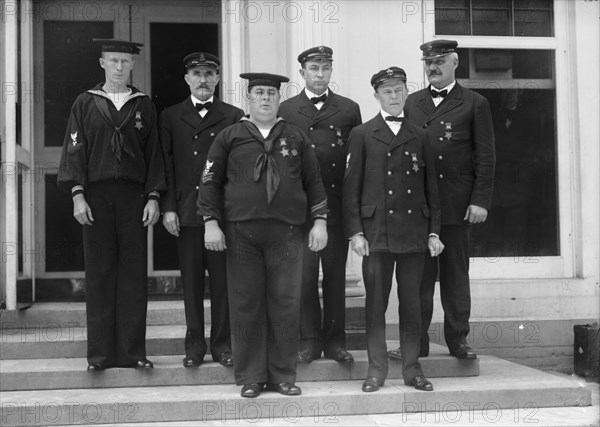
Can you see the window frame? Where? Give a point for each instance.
(563, 265)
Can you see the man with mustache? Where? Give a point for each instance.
(458, 123)
(260, 180)
(111, 164)
(187, 132)
(327, 118)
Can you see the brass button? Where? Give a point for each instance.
(390, 192)
(409, 191)
(197, 187)
(440, 157)
(195, 136)
(389, 172)
(391, 212)
(441, 176)
(389, 154)
(409, 211)
(408, 172)
(212, 134)
(195, 153)
(441, 139)
(310, 128)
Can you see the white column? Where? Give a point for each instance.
(9, 250)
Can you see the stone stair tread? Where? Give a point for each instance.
(38, 374)
(501, 384)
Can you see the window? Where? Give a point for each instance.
(532, 18)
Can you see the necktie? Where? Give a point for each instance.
(394, 119)
(317, 99)
(204, 106)
(435, 93)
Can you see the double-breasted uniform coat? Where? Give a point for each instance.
(186, 137)
(461, 135)
(328, 129)
(390, 196)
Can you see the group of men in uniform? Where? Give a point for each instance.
(261, 200)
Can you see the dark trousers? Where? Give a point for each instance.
(454, 287)
(193, 260)
(116, 273)
(315, 336)
(378, 269)
(264, 267)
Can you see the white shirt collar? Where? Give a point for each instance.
(448, 88)
(384, 114)
(197, 101)
(313, 95)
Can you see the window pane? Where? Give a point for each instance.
(491, 18)
(64, 247)
(533, 18)
(70, 67)
(524, 216)
(532, 64)
(452, 17)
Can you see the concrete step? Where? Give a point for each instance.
(64, 315)
(41, 374)
(500, 385)
(70, 341)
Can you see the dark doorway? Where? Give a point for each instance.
(170, 43)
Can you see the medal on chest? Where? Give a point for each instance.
(338, 135)
(415, 162)
(286, 150)
(448, 134)
(138, 120)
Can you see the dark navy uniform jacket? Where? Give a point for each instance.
(462, 140)
(390, 189)
(186, 138)
(328, 130)
(229, 191)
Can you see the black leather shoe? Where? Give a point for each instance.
(372, 384)
(192, 361)
(251, 390)
(395, 354)
(305, 356)
(144, 364)
(420, 383)
(95, 367)
(287, 389)
(340, 355)
(225, 359)
(463, 351)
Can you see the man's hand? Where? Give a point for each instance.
(171, 222)
(435, 246)
(317, 237)
(151, 213)
(475, 214)
(360, 245)
(214, 239)
(81, 210)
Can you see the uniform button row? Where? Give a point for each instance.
(211, 134)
